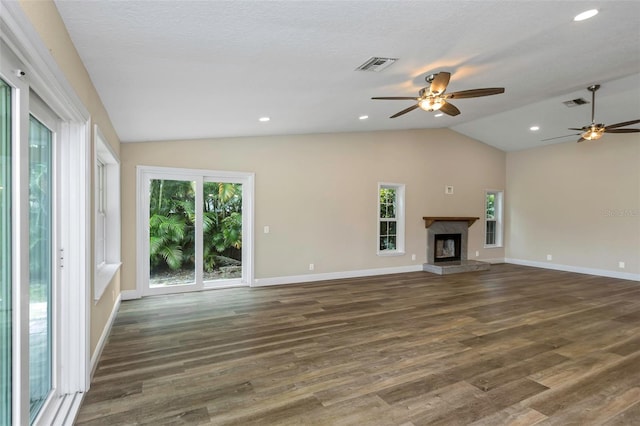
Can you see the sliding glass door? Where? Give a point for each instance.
(222, 232)
(41, 277)
(44, 231)
(196, 228)
(172, 239)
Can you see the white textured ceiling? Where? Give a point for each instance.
(180, 69)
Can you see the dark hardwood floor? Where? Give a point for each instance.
(513, 345)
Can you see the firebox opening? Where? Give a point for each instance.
(447, 247)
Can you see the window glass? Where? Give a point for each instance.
(40, 268)
(493, 219)
(387, 219)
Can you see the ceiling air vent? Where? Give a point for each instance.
(575, 102)
(376, 64)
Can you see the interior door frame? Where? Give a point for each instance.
(144, 176)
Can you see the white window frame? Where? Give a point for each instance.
(399, 219)
(498, 217)
(107, 224)
(27, 65)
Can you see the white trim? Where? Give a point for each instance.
(493, 261)
(577, 269)
(130, 294)
(102, 278)
(20, 239)
(105, 334)
(299, 279)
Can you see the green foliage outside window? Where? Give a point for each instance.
(172, 223)
(491, 206)
(388, 209)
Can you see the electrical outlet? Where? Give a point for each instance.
(413, 257)
(477, 253)
(266, 229)
(312, 266)
(549, 257)
(621, 265)
(448, 189)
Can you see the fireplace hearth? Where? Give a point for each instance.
(447, 246)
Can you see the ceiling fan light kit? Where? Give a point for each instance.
(595, 131)
(434, 98)
(431, 103)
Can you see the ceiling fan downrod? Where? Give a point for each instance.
(593, 90)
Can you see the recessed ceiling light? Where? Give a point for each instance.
(438, 114)
(534, 128)
(264, 119)
(363, 117)
(586, 15)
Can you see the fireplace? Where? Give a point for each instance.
(447, 247)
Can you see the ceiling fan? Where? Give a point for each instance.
(595, 131)
(434, 98)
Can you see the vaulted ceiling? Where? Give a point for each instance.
(182, 69)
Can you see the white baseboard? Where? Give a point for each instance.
(298, 279)
(494, 261)
(130, 294)
(105, 334)
(577, 269)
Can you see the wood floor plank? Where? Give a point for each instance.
(512, 345)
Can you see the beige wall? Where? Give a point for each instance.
(578, 202)
(45, 19)
(318, 193)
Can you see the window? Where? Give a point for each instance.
(493, 219)
(107, 214)
(390, 219)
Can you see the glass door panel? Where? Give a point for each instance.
(5, 253)
(222, 231)
(172, 242)
(40, 266)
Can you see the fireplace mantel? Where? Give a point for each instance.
(430, 220)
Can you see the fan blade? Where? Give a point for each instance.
(439, 83)
(622, 130)
(559, 137)
(449, 109)
(582, 129)
(397, 98)
(626, 123)
(581, 140)
(475, 93)
(404, 111)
